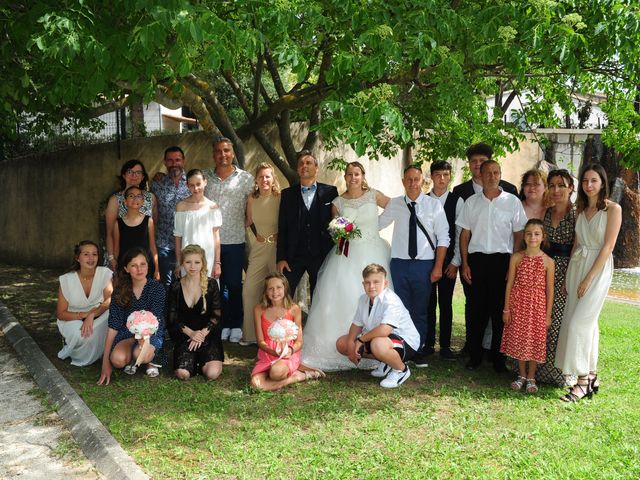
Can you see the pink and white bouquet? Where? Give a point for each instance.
(282, 331)
(342, 230)
(142, 324)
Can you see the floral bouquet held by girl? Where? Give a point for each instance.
(342, 230)
(282, 331)
(142, 324)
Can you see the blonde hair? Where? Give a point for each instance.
(372, 269)
(275, 187)
(287, 301)
(365, 185)
(195, 249)
(542, 176)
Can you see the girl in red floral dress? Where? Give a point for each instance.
(528, 302)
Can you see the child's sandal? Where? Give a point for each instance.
(531, 386)
(313, 374)
(518, 383)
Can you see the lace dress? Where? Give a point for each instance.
(340, 285)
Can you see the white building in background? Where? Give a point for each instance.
(157, 119)
(596, 118)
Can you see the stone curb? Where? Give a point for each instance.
(94, 439)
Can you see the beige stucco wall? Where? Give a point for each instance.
(51, 201)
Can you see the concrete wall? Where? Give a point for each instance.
(51, 201)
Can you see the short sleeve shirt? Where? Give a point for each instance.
(168, 195)
(492, 222)
(231, 195)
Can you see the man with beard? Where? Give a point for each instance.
(169, 190)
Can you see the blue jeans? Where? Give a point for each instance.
(232, 261)
(412, 283)
(167, 264)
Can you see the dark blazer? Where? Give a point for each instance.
(465, 189)
(289, 219)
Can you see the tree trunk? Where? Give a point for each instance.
(623, 185)
(137, 120)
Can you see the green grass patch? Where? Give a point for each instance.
(444, 422)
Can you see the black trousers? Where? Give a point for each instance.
(300, 264)
(441, 296)
(488, 283)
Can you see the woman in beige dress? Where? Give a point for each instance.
(262, 219)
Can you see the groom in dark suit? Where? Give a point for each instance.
(305, 213)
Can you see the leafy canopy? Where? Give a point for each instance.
(374, 74)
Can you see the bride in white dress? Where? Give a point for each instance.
(340, 278)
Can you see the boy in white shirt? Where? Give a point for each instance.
(382, 329)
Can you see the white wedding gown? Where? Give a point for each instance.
(340, 285)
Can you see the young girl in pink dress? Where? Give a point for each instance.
(278, 361)
(528, 303)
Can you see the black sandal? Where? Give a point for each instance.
(594, 386)
(572, 397)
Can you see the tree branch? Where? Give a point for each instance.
(273, 70)
(237, 90)
(257, 85)
(275, 157)
(314, 120)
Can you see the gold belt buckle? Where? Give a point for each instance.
(270, 239)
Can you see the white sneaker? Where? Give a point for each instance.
(381, 371)
(395, 378)
(225, 334)
(235, 335)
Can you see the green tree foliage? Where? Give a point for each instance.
(375, 74)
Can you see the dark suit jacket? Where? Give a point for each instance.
(465, 189)
(291, 205)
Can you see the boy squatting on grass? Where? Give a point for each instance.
(382, 329)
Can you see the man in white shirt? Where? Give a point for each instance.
(492, 223)
(229, 187)
(442, 290)
(476, 154)
(418, 248)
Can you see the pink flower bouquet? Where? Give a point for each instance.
(282, 331)
(342, 230)
(142, 324)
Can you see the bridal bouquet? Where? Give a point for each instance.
(281, 332)
(142, 324)
(342, 230)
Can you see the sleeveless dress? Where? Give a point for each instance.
(136, 236)
(264, 359)
(577, 352)
(262, 258)
(524, 338)
(196, 227)
(340, 285)
(561, 240)
(83, 351)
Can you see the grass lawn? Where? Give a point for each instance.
(443, 422)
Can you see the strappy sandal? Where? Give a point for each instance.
(152, 371)
(595, 384)
(585, 390)
(531, 386)
(518, 383)
(131, 369)
(313, 374)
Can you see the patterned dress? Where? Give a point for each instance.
(561, 239)
(525, 337)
